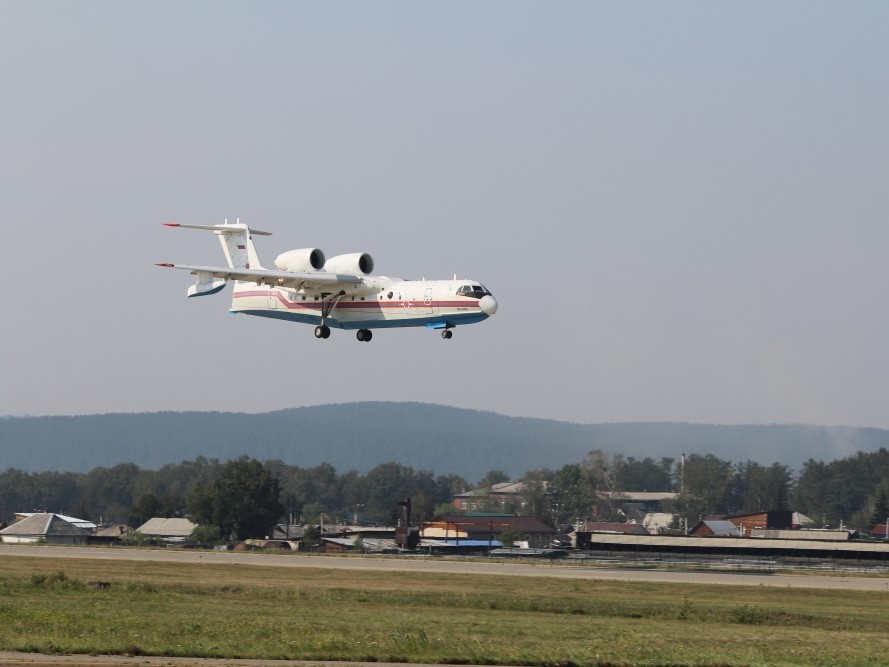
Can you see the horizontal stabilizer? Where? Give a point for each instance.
(224, 229)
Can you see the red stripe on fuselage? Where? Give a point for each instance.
(358, 305)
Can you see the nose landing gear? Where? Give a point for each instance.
(446, 334)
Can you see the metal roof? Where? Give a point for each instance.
(372, 544)
(734, 543)
(502, 487)
(112, 530)
(639, 496)
(655, 521)
(614, 527)
(163, 527)
(80, 523)
(720, 527)
(42, 525)
(803, 534)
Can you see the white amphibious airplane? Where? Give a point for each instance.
(336, 292)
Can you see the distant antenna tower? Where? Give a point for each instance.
(682, 475)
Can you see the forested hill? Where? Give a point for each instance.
(431, 437)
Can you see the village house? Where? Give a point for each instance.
(111, 533)
(502, 495)
(613, 527)
(623, 505)
(633, 505)
(168, 530)
(46, 527)
(715, 528)
(484, 529)
(766, 520)
(879, 532)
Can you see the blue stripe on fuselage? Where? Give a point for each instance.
(433, 321)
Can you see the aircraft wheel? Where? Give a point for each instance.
(446, 334)
(368, 334)
(364, 335)
(322, 331)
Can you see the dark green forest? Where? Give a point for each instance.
(361, 436)
(852, 490)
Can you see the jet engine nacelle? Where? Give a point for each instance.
(353, 264)
(304, 260)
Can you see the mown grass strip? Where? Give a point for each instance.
(237, 611)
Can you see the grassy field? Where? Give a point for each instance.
(238, 611)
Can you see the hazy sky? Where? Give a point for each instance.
(680, 207)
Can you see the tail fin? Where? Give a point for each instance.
(236, 240)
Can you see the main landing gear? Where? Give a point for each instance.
(446, 334)
(328, 304)
(323, 331)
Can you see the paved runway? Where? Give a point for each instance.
(562, 569)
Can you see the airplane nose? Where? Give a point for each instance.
(488, 304)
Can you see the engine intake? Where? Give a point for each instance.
(356, 263)
(304, 260)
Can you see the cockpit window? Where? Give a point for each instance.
(473, 291)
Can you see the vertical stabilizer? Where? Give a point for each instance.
(237, 244)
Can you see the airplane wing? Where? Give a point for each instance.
(266, 277)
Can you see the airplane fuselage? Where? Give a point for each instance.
(378, 302)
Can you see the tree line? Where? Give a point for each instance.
(128, 494)
(853, 490)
